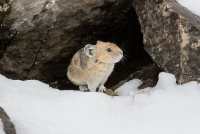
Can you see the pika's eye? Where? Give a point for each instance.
(109, 50)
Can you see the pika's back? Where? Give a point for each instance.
(82, 60)
(85, 57)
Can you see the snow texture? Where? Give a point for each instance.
(1, 128)
(168, 108)
(192, 5)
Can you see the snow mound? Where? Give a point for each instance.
(35, 108)
(130, 88)
(192, 5)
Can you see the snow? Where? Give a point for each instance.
(1, 128)
(193, 5)
(168, 108)
(130, 88)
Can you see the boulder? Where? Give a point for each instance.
(5, 33)
(171, 37)
(8, 126)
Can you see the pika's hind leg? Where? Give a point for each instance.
(83, 88)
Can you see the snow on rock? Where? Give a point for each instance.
(35, 108)
(192, 5)
(129, 88)
(166, 81)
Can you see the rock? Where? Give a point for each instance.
(5, 32)
(171, 37)
(147, 74)
(4, 9)
(8, 126)
(39, 37)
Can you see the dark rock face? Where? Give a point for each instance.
(39, 37)
(171, 37)
(8, 126)
(5, 33)
(135, 58)
(148, 74)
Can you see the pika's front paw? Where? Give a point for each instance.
(83, 88)
(102, 89)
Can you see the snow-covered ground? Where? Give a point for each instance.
(192, 5)
(168, 108)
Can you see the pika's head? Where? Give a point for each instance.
(107, 52)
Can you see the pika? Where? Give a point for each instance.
(91, 66)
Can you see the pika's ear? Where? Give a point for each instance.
(90, 50)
